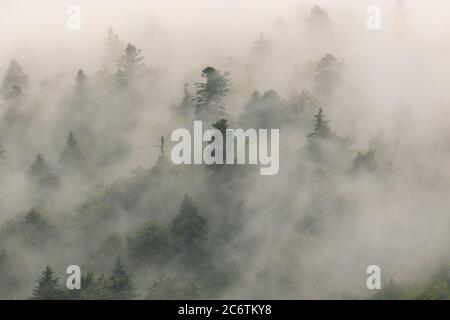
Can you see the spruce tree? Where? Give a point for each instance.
(41, 174)
(130, 63)
(120, 284)
(321, 130)
(327, 75)
(318, 19)
(48, 286)
(71, 158)
(15, 76)
(189, 230)
(210, 94)
(80, 82)
(113, 48)
(150, 245)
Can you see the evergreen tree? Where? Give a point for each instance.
(15, 99)
(120, 285)
(263, 110)
(261, 47)
(365, 160)
(48, 286)
(14, 93)
(80, 82)
(92, 288)
(210, 94)
(327, 75)
(41, 174)
(35, 231)
(318, 19)
(304, 104)
(113, 48)
(131, 62)
(189, 230)
(71, 157)
(152, 244)
(15, 76)
(321, 130)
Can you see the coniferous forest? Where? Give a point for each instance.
(86, 176)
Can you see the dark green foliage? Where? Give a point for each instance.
(189, 230)
(120, 285)
(210, 94)
(150, 245)
(48, 286)
(92, 288)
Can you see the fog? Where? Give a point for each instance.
(362, 182)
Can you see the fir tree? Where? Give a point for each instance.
(71, 157)
(321, 130)
(80, 82)
(15, 76)
(41, 174)
(263, 110)
(327, 75)
(120, 284)
(189, 230)
(210, 94)
(35, 231)
(131, 62)
(113, 48)
(48, 286)
(152, 244)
